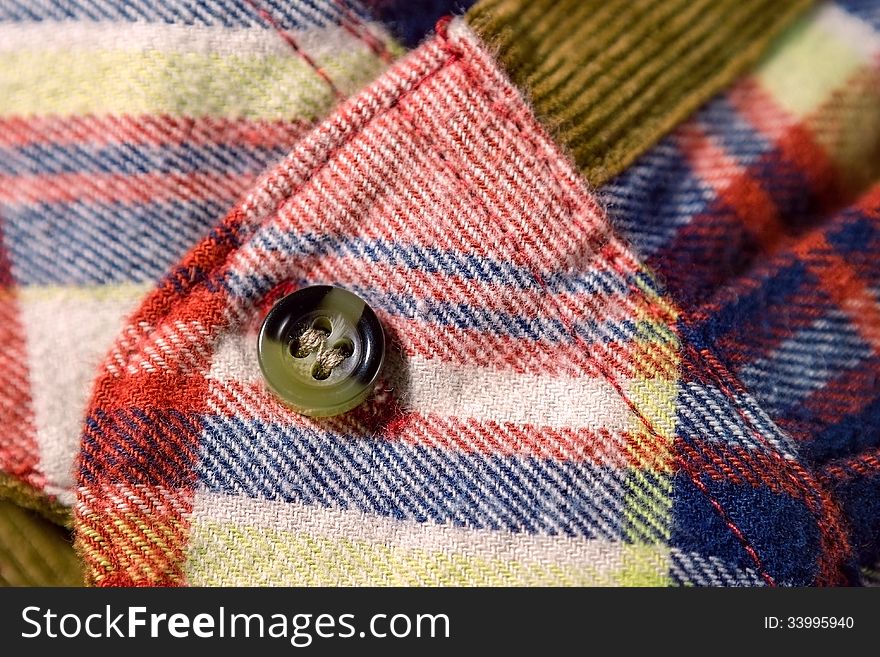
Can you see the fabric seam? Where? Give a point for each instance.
(594, 242)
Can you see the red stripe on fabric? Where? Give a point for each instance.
(121, 188)
(852, 296)
(382, 418)
(845, 395)
(599, 447)
(733, 186)
(866, 464)
(627, 358)
(149, 130)
(19, 449)
(842, 281)
(751, 101)
(386, 205)
(794, 139)
(153, 390)
(724, 462)
(800, 149)
(829, 518)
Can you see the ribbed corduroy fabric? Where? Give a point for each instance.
(547, 417)
(552, 413)
(34, 551)
(612, 77)
(22, 494)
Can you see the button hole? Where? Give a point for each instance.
(323, 325)
(312, 338)
(321, 372)
(345, 347)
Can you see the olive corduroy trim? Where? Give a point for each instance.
(34, 551)
(611, 77)
(19, 493)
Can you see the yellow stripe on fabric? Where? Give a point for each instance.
(648, 488)
(226, 554)
(656, 400)
(654, 348)
(648, 508)
(655, 336)
(847, 126)
(192, 84)
(806, 65)
(645, 565)
(125, 292)
(156, 543)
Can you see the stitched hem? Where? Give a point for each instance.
(201, 272)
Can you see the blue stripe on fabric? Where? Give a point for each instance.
(792, 193)
(851, 434)
(465, 316)
(429, 260)
(124, 448)
(859, 496)
(866, 10)
(90, 243)
(781, 529)
(512, 325)
(747, 308)
(489, 321)
(51, 159)
(727, 127)
(288, 14)
(856, 237)
(706, 414)
(655, 197)
(805, 362)
(296, 464)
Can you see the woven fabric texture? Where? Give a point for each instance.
(548, 415)
(761, 215)
(610, 78)
(126, 131)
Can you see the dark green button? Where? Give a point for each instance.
(321, 349)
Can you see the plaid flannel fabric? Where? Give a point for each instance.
(548, 415)
(742, 211)
(555, 411)
(126, 130)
